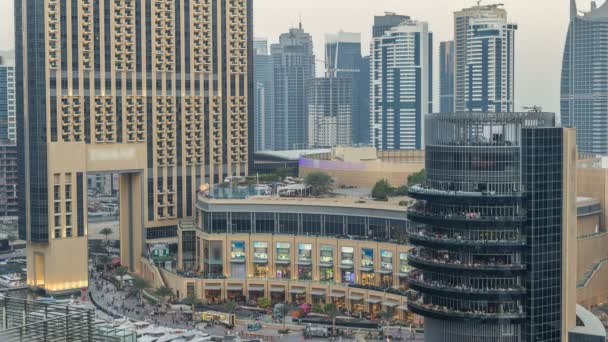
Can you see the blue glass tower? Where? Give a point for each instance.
(584, 82)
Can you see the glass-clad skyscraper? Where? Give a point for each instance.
(491, 229)
(584, 82)
(446, 77)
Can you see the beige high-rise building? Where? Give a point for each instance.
(155, 90)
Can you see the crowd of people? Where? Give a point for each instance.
(470, 260)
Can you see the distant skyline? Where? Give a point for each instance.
(540, 38)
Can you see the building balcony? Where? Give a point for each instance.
(425, 236)
(417, 306)
(423, 261)
(462, 219)
(426, 193)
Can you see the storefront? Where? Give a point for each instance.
(404, 269)
(391, 306)
(260, 259)
(213, 292)
(256, 292)
(318, 296)
(277, 294)
(386, 268)
(356, 303)
(283, 260)
(305, 261)
(337, 297)
(374, 305)
(298, 295)
(367, 267)
(326, 263)
(347, 272)
(238, 268)
(234, 292)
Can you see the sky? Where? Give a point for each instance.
(539, 40)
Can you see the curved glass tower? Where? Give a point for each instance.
(473, 232)
(584, 81)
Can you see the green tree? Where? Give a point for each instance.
(331, 310)
(139, 285)
(121, 271)
(264, 302)
(381, 190)
(387, 314)
(283, 310)
(191, 300)
(106, 232)
(416, 178)
(164, 292)
(320, 183)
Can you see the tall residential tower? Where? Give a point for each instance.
(294, 67)
(584, 83)
(157, 91)
(263, 96)
(401, 86)
(446, 77)
(485, 60)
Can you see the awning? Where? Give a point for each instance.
(390, 304)
(373, 300)
(366, 268)
(403, 307)
(277, 289)
(346, 266)
(234, 287)
(282, 262)
(355, 297)
(213, 287)
(260, 261)
(385, 271)
(256, 287)
(317, 293)
(297, 291)
(337, 294)
(304, 262)
(402, 275)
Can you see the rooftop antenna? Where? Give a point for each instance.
(479, 3)
(300, 24)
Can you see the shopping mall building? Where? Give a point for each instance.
(344, 250)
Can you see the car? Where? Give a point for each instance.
(254, 327)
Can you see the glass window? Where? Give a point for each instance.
(347, 256)
(264, 223)
(311, 224)
(334, 225)
(326, 254)
(288, 224)
(237, 253)
(386, 260)
(241, 222)
(378, 229)
(260, 251)
(356, 226)
(219, 223)
(404, 267)
(305, 252)
(398, 230)
(367, 257)
(283, 252)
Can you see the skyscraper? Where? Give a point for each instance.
(263, 96)
(294, 66)
(402, 90)
(383, 23)
(330, 112)
(8, 136)
(343, 59)
(446, 77)
(584, 85)
(495, 253)
(484, 55)
(145, 89)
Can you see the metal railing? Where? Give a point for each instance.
(32, 321)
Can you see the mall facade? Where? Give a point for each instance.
(344, 250)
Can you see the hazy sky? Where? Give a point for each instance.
(539, 40)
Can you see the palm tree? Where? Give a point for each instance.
(106, 232)
(139, 285)
(191, 300)
(164, 292)
(121, 271)
(331, 310)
